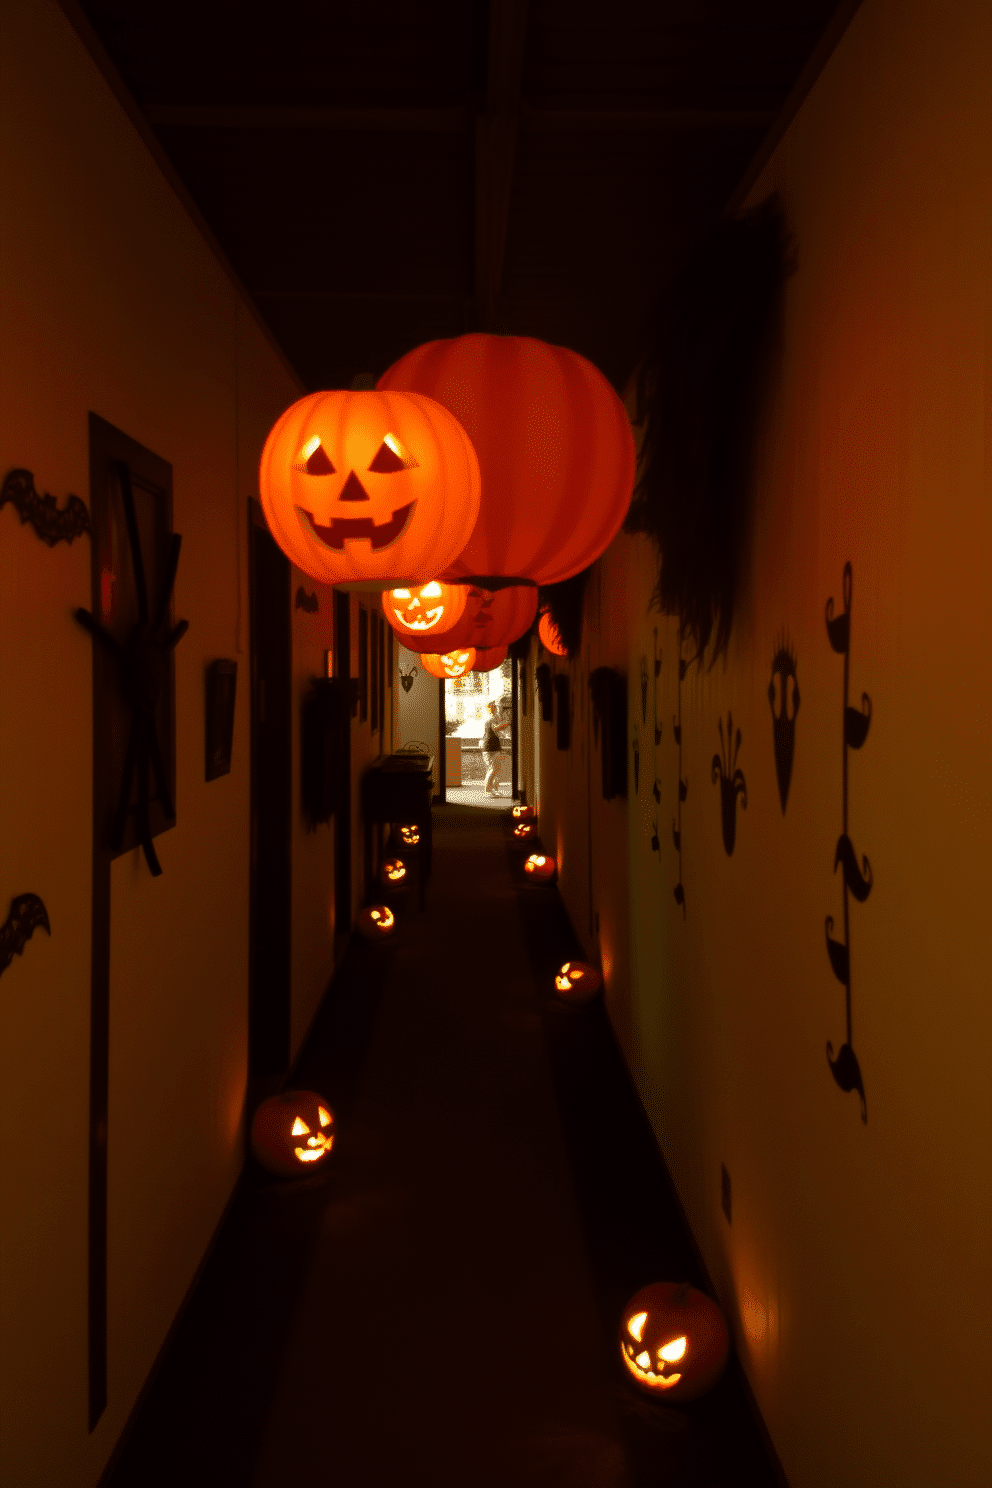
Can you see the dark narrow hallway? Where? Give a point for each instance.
(441, 1304)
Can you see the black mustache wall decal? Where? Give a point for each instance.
(783, 695)
(857, 880)
(732, 783)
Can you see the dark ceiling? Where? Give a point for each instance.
(380, 175)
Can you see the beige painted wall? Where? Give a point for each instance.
(111, 302)
(855, 1273)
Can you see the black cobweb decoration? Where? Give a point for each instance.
(143, 660)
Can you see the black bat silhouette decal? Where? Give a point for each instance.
(52, 524)
(27, 912)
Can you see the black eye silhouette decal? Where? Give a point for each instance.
(390, 457)
(313, 459)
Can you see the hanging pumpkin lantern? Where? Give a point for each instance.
(524, 813)
(417, 610)
(452, 664)
(549, 637)
(489, 618)
(578, 982)
(376, 922)
(524, 831)
(292, 1133)
(540, 868)
(554, 444)
(393, 873)
(488, 658)
(409, 836)
(381, 488)
(674, 1341)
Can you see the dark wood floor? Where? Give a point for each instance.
(440, 1306)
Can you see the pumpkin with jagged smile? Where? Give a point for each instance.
(674, 1340)
(292, 1133)
(451, 665)
(419, 608)
(367, 487)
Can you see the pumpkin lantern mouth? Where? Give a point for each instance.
(351, 529)
(317, 1144)
(652, 1370)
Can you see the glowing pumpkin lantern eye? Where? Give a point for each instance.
(300, 1127)
(313, 459)
(325, 1115)
(673, 1352)
(431, 590)
(643, 1360)
(401, 594)
(391, 457)
(636, 1325)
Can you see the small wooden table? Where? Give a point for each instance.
(400, 788)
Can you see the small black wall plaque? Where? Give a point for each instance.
(222, 681)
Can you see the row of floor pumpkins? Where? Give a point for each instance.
(480, 467)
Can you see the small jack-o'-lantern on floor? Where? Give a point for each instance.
(540, 868)
(376, 922)
(416, 610)
(292, 1133)
(409, 836)
(524, 831)
(674, 1341)
(578, 982)
(393, 873)
(452, 664)
(524, 813)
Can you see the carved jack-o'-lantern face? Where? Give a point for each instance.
(452, 664)
(524, 813)
(365, 486)
(410, 836)
(674, 1341)
(524, 831)
(292, 1133)
(433, 606)
(376, 922)
(393, 872)
(540, 867)
(578, 982)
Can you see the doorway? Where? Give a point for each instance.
(271, 773)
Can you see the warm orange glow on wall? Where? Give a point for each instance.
(291, 1132)
(547, 632)
(452, 664)
(667, 1324)
(366, 486)
(554, 446)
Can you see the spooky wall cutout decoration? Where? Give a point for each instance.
(369, 487)
(657, 674)
(53, 524)
(406, 678)
(857, 881)
(27, 913)
(673, 1341)
(308, 603)
(783, 696)
(732, 782)
(292, 1134)
(545, 694)
(143, 663)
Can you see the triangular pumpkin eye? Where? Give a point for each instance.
(390, 457)
(313, 459)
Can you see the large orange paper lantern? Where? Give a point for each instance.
(674, 1341)
(489, 618)
(550, 637)
(453, 664)
(379, 488)
(554, 444)
(488, 658)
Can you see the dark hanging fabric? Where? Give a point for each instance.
(564, 734)
(699, 391)
(609, 701)
(563, 603)
(542, 676)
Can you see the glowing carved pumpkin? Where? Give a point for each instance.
(491, 617)
(376, 922)
(415, 611)
(488, 658)
(393, 872)
(292, 1133)
(453, 664)
(366, 486)
(524, 813)
(547, 632)
(578, 982)
(554, 444)
(409, 836)
(524, 831)
(674, 1341)
(542, 869)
